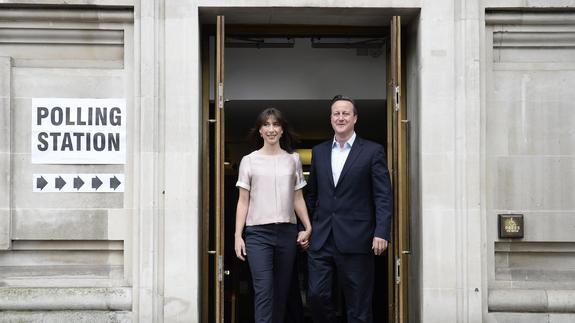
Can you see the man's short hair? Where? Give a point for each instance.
(341, 97)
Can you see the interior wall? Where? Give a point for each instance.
(303, 73)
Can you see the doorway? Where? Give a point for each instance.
(310, 120)
(307, 109)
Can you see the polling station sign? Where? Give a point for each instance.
(78, 131)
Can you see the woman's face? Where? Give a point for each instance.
(271, 131)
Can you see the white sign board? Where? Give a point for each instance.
(78, 183)
(78, 131)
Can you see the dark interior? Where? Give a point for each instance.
(310, 120)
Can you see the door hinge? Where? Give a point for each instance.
(221, 95)
(397, 271)
(396, 97)
(220, 268)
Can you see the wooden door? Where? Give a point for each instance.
(397, 150)
(219, 174)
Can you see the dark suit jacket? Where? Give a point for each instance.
(359, 207)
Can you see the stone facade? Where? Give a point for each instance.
(490, 94)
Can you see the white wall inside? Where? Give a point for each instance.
(303, 73)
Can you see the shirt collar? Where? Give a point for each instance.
(349, 142)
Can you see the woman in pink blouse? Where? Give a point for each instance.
(270, 182)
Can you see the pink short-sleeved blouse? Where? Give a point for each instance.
(272, 181)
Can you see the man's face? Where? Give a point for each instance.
(343, 118)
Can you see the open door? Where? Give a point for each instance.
(397, 150)
(213, 141)
(219, 174)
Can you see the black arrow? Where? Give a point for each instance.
(78, 182)
(41, 182)
(114, 183)
(60, 182)
(96, 183)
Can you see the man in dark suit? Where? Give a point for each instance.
(349, 196)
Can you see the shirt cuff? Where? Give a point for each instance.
(300, 185)
(243, 185)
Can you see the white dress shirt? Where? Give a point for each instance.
(339, 156)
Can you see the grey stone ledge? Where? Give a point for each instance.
(532, 300)
(61, 36)
(66, 15)
(533, 39)
(529, 18)
(62, 299)
(66, 316)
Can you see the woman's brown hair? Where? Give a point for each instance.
(288, 138)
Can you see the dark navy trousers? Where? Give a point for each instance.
(271, 250)
(355, 274)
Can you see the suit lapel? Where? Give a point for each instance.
(327, 162)
(353, 154)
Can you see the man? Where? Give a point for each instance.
(350, 199)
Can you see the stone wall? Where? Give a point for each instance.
(530, 164)
(62, 255)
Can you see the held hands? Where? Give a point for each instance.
(379, 245)
(303, 238)
(240, 248)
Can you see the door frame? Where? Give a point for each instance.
(398, 158)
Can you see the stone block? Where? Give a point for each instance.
(61, 299)
(5, 229)
(79, 83)
(60, 224)
(561, 318)
(66, 316)
(561, 301)
(517, 317)
(437, 181)
(5, 124)
(439, 305)
(535, 183)
(439, 267)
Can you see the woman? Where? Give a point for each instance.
(270, 182)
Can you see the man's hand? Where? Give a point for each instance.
(303, 239)
(379, 245)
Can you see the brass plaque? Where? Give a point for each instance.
(511, 226)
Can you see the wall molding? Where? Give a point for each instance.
(38, 299)
(533, 39)
(529, 18)
(61, 36)
(532, 300)
(5, 152)
(67, 15)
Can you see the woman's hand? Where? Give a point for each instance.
(303, 238)
(240, 248)
(301, 212)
